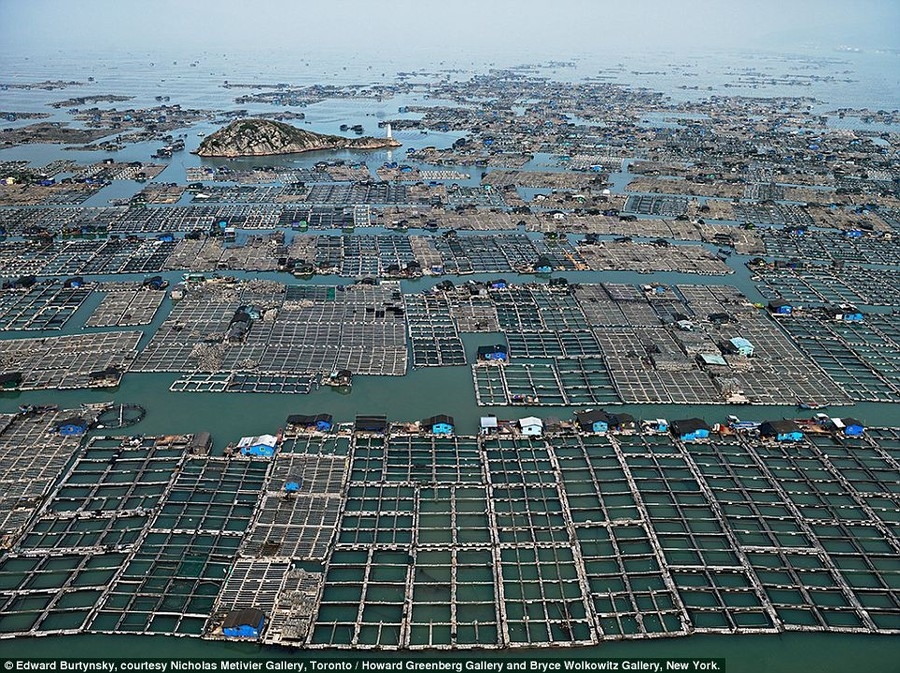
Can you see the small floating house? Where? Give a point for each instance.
(690, 429)
(371, 424)
(655, 425)
(262, 446)
(201, 443)
(497, 353)
(781, 307)
(781, 431)
(342, 378)
(438, 425)
(245, 623)
(543, 265)
(593, 420)
(741, 346)
(292, 484)
(843, 313)
(319, 422)
(853, 427)
(489, 425)
(531, 426)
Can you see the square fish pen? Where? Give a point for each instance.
(541, 383)
(432, 331)
(245, 382)
(31, 597)
(532, 383)
(714, 588)
(863, 359)
(550, 344)
(170, 583)
(45, 306)
(411, 567)
(315, 445)
(630, 591)
(25, 476)
(586, 381)
(809, 538)
(124, 308)
(301, 523)
(541, 574)
(103, 504)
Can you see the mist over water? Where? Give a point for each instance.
(464, 26)
(150, 45)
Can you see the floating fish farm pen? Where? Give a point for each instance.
(474, 314)
(815, 284)
(551, 344)
(80, 361)
(586, 381)
(124, 308)
(862, 358)
(432, 331)
(411, 541)
(666, 206)
(32, 455)
(648, 257)
(539, 383)
(532, 383)
(300, 509)
(69, 258)
(44, 306)
(830, 246)
(245, 382)
(172, 579)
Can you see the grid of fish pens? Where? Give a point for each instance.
(850, 284)
(245, 382)
(432, 331)
(170, 583)
(586, 381)
(552, 344)
(174, 347)
(541, 581)
(26, 475)
(714, 585)
(818, 555)
(412, 565)
(103, 504)
(30, 596)
(474, 314)
(830, 246)
(66, 362)
(366, 575)
(45, 306)
(124, 308)
(531, 384)
(299, 524)
(540, 383)
(630, 590)
(863, 359)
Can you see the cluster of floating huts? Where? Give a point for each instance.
(589, 421)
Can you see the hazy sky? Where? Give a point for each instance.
(455, 26)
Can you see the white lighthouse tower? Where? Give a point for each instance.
(389, 135)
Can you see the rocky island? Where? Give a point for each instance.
(261, 137)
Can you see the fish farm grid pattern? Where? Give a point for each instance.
(410, 541)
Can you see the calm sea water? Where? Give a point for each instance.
(427, 391)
